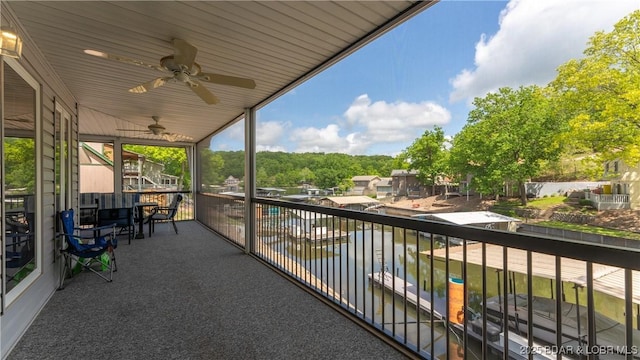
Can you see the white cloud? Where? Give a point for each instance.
(270, 135)
(394, 122)
(535, 37)
(235, 131)
(327, 140)
(372, 123)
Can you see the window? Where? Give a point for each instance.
(20, 183)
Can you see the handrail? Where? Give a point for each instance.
(575, 249)
(163, 198)
(393, 273)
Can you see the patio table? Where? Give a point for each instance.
(140, 209)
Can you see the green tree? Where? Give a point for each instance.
(306, 175)
(211, 164)
(600, 94)
(508, 137)
(429, 156)
(262, 178)
(19, 164)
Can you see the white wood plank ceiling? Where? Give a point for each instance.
(276, 43)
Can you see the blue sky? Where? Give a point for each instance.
(427, 72)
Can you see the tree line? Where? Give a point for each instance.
(281, 169)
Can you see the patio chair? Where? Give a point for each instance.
(88, 214)
(120, 217)
(87, 247)
(165, 214)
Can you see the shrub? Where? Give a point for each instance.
(585, 202)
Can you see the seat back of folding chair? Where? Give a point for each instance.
(68, 227)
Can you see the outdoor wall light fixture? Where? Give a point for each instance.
(10, 43)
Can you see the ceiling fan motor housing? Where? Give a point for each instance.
(156, 128)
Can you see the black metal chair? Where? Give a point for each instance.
(165, 214)
(122, 218)
(88, 214)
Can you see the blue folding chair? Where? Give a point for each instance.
(87, 248)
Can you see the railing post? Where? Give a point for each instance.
(249, 179)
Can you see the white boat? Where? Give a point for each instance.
(610, 334)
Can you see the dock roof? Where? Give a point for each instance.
(309, 215)
(469, 217)
(350, 200)
(606, 279)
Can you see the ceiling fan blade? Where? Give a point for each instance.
(138, 131)
(149, 85)
(123, 59)
(185, 53)
(227, 80)
(172, 137)
(203, 92)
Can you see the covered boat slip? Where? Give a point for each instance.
(313, 226)
(606, 279)
(609, 334)
(485, 219)
(437, 310)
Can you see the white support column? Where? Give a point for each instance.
(117, 166)
(139, 172)
(249, 178)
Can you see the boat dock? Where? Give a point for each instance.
(321, 234)
(404, 289)
(421, 299)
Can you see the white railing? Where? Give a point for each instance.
(608, 198)
(608, 201)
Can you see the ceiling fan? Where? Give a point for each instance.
(159, 130)
(182, 68)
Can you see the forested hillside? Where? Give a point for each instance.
(290, 169)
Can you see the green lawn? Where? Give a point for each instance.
(590, 229)
(544, 203)
(541, 203)
(507, 207)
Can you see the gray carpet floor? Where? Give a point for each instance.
(192, 296)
